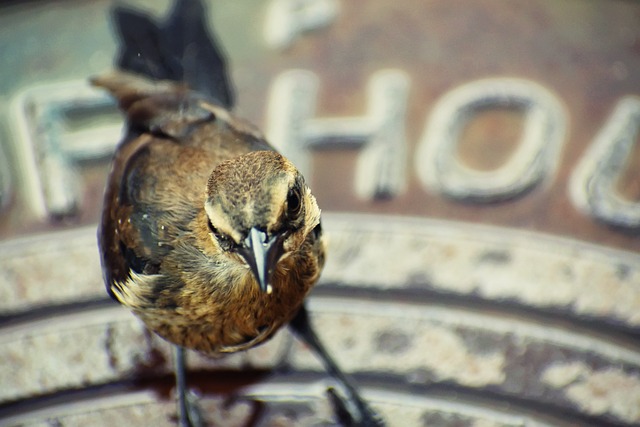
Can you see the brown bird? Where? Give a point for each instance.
(208, 235)
(211, 238)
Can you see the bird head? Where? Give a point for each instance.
(259, 207)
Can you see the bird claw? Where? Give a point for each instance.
(353, 414)
(191, 414)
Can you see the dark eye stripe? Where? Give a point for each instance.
(317, 230)
(225, 242)
(211, 227)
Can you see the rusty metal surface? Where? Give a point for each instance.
(476, 163)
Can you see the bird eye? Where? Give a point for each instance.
(293, 203)
(225, 242)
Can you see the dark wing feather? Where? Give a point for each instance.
(180, 49)
(203, 61)
(143, 48)
(161, 120)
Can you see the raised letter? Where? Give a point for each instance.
(294, 130)
(286, 19)
(593, 183)
(534, 158)
(50, 147)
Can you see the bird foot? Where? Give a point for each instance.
(189, 412)
(353, 414)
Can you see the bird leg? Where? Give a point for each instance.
(359, 412)
(189, 413)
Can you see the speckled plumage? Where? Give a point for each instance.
(188, 183)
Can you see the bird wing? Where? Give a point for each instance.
(179, 48)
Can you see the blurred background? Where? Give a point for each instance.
(478, 168)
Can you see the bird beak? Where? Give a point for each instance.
(262, 254)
